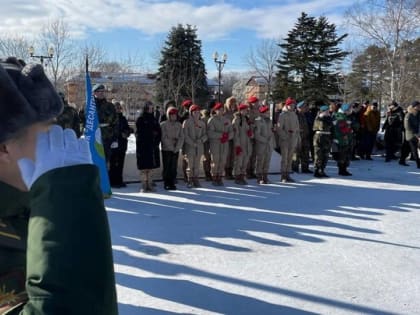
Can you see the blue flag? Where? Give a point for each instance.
(93, 135)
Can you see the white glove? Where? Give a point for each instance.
(54, 149)
(114, 145)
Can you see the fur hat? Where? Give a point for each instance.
(26, 97)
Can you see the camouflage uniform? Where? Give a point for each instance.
(322, 140)
(69, 118)
(304, 145)
(108, 121)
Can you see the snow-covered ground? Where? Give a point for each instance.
(317, 246)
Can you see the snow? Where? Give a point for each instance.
(341, 245)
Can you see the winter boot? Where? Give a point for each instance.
(220, 181)
(238, 180)
(323, 173)
(265, 179)
(283, 178)
(215, 180)
(306, 170)
(190, 183)
(343, 171)
(196, 182)
(260, 180)
(149, 187)
(289, 179)
(143, 188)
(228, 172)
(318, 173)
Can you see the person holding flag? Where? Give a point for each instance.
(100, 119)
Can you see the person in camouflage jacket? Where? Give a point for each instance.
(108, 121)
(69, 118)
(322, 139)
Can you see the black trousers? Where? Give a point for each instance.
(170, 167)
(116, 166)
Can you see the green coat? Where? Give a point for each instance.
(69, 255)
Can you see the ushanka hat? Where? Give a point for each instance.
(26, 97)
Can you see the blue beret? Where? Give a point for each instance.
(324, 108)
(345, 107)
(300, 104)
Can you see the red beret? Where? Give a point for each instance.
(252, 99)
(263, 109)
(290, 101)
(194, 108)
(186, 103)
(242, 106)
(172, 111)
(217, 106)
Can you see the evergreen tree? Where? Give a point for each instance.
(181, 71)
(307, 63)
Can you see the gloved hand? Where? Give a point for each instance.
(224, 138)
(114, 145)
(55, 148)
(238, 150)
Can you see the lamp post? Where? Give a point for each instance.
(31, 51)
(219, 64)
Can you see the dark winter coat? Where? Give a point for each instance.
(69, 267)
(124, 132)
(148, 137)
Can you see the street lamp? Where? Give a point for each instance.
(219, 64)
(31, 51)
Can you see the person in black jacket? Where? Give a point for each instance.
(393, 128)
(148, 137)
(118, 154)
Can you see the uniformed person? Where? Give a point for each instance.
(343, 137)
(69, 118)
(55, 246)
(219, 131)
(108, 121)
(242, 135)
(264, 144)
(195, 135)
(322, 140)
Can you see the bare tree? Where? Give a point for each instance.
(388, 24)
(14, 45)
(263, 59)
(56, 35)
